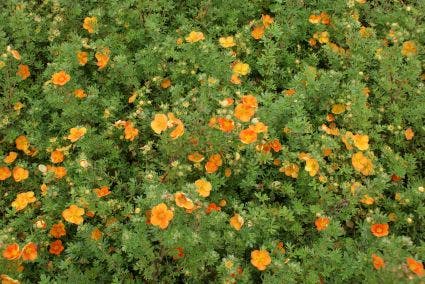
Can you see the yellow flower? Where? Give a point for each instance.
(312, 166)
(227, 42)
(203, 187)
(236, 222)
(74, 214)
(361, 141)
(338, 108)
(409, 48)
(89, 24)
(241, 68)
(195, 36)
(23, 199)
(362, 164)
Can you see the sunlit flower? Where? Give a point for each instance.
(29, 252)
(203, 187)
(415, 266)
(5, 173)
(23, 71)
(236, 221)
(58, 230)
(76, 133)
(60, 78)
(378, 262)
(161, 216)
(322, 223)
(82, 57)
(10, 158)
(260, 259)
(227, 42)
(409, 48)
(182, 201)
(195, 37)
(20, 174)
(380, 230)
(12, 252)
(56, 247)
(102, 191)
(362, 164)
(258, 32)
(90, 24)
(74, 214)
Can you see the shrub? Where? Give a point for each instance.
(212, 141)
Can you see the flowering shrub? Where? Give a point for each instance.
(209, 141)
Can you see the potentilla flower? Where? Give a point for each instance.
(29, 252)
(237, 221)
(260, 259)
(76, 133)
(195, 36)
(58, 230)
(161, 216)
(60, 78)
(56, 247)
(415, 266)
(23, 199)
(227, 42)
(12, 252)
(74, 214)
(322, 223)
(378, 262)
(5, 173)
(380, 230)
(90, 24)
(203, 187)
(23, 71)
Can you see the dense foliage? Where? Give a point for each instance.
(212, 141)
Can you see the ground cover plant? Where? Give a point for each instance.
(209, 141)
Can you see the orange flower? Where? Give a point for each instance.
(312, 166)
(130, 132)
(161, 216)
(267, 20)
(173, 121)
(7, 280)
(325, 19)
(23, 199)
(260, 259)
(182, 201)
(159, 123)
(322, 223)
(248, 136)
(258, 32)
(29, 252)
(195, 157)
(76, 133)
(195, 37)
(378, 262)
(56, 247)
(236, 222)
(12, 252)
(60, 78)
(234, 79)
(226, 125)
(203, 187)
(23, 71)
(409, 48)
(348, 136)
(259, 127)
(244, 112)
(82, 57)
(74, 214)
(80, 94)
(89, 24)
(212, 207)
(96, 234)
(211, 167)
(290, 170)
(102, 191)
(314, 19)
(213, 163)
(10, 158)
(241, 68)
(380, 230)
(276, 146)
(415, 266)
(367, 200)
(60, 172)
(227, 42)
(20, 174)
(166, 83)
(57, 156)
(102, 58)
(409, 134)
(5, 173)
(58, 230)
(289, 92)
(361, 141)
(22, 143)
(361, 163)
